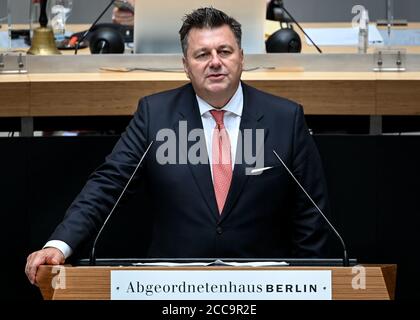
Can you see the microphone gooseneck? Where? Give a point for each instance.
(346, 261)
(301, 29)
(280, 5)
(83, 37)
(92, 259)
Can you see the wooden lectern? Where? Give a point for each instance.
(93, 283)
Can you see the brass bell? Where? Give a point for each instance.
(43, 42)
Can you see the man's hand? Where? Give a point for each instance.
(44, 256)
(122, 15)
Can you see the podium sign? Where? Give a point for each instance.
(217, 282)
(221, 285)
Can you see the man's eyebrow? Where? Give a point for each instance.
(223, 46)
(202, 49)
(205, 49)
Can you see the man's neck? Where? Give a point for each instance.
(218, 102)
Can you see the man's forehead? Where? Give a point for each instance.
(202, 33)
(205, 37)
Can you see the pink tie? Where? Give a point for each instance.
(221, 160)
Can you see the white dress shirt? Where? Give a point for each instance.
(231, 120)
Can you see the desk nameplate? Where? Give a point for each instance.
(221, 285)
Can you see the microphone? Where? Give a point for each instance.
(92, 259)
(276, 13)
(106, 40)
(92, 26)
(346, 261)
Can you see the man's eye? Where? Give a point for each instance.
(201, 55)
(224, 53)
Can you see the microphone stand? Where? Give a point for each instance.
(346, 261)
(92, 258)
(279, 5)
(301, 29)
(92, 26)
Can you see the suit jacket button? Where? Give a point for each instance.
(219, 230)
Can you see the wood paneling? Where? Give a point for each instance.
(90, 98)
(110, 93)
(14, 96)
(84, 283)
(336, 97)
(398, 97)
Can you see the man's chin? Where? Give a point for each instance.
(216, 88)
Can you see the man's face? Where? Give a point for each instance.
(213, 63)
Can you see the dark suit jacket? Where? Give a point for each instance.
(265, 215)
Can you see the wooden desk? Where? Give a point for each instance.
(72, 28)
(109, 94)
(272, 26)
(85, 283)
(106, 94)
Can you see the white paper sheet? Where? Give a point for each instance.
(214, 263)
(341, 36)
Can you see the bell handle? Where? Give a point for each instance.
(43, 19)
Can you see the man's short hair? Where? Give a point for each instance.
(207, 17)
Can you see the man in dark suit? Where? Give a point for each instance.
(212, 207)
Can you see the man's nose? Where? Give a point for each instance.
(215, 60)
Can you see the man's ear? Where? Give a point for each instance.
(185, 63)
(242, 58)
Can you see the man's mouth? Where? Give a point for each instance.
(216, 76)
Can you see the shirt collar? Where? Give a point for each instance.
(235, 104)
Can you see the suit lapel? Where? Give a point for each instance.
(190, 112)
(250, 120)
